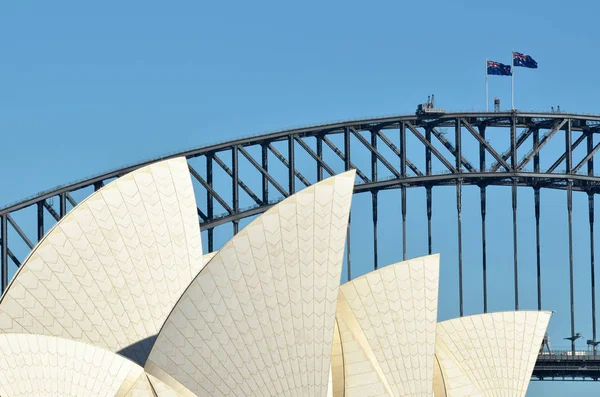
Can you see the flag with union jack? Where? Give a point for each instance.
(498, 68)
(524, 60)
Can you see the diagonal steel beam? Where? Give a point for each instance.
(314, 155)
(425, 142)
(51, 211)
(375, 152)
(448, 145)
(397, 152)
(564, 155)
(240, 183)
(247, 155)
(506, 155)
(19, 231)
(586, 158)
(542, 143)
(70, 199)
(343, 157)
(287, 164)
(485, 144)
(12, 256)
(199, 178)
(202, 214)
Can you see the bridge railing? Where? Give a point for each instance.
(568, 355)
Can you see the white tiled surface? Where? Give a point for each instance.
(109, 273)
(141, 388)
(361, 375)
(258, 320)
(43, 366)
(162, 390)
(387, 321)
(439, 389)
(337, 364)
(490, 354)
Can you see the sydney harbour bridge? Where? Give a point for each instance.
(239, 179)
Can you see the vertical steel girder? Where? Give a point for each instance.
(374, 197)
(538, 252)
(513, 163)
(536, 197)
(429, 213)
(592, 266)
(63, 204)
(428, 152)
(265, 180)
(347, 162)
(482, 194)
(292, 165)
(590, 169)
(347, 166)
(40, 220)
(4, 251)
(457, 139)
(348, 254)
(569, 163)
(515, 243)
(403, 188)
(209, 200)
(234, 187)
(320, 156)
(459, 232)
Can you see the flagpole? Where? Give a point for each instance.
(512, 80)
(486, 88)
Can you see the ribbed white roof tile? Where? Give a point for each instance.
(490, 354)
(259, 318)
(387, 321)
(45, 366)
(110, 271)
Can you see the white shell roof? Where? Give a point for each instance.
(259, 318)
(490, 354)
(110, 271)
(387, 323)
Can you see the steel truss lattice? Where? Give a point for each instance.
(454, 149)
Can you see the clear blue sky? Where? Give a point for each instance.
(88, 87)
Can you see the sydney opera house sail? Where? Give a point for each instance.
(109, 273)
(118, 299)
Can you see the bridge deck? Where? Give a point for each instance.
(563, 365)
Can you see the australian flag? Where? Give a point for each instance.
(498, 68)
(524, 60)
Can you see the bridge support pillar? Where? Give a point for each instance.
(482, 192)
(592, 267)
(4, 251)
(429, 203)
(460, 264)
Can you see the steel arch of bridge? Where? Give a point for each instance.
(391, 142)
